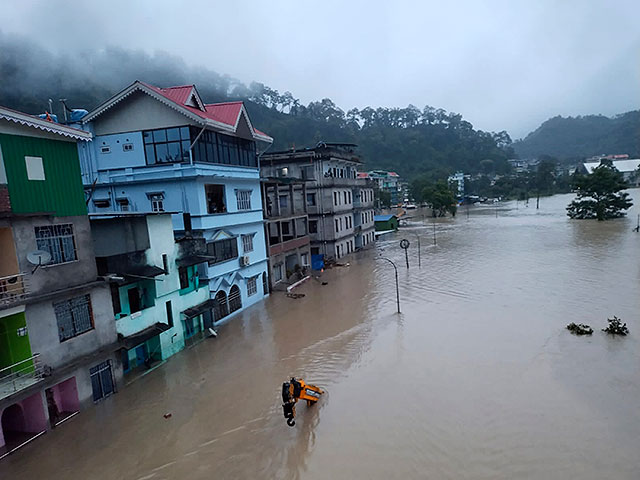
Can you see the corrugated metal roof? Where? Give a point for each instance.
(382, 218)
(41, 124)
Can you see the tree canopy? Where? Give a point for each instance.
(600, 195)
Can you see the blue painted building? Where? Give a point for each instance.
(163, 149)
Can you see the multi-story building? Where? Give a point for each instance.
(388, 182)
(164, 149)
(339, 204)
(284, 201)
(57, 335)
(158, 302)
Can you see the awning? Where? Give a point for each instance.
(199, 309)
(141, 271)
(191, 260)
(142, 336)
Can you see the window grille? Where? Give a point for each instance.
(252, 286)
(157, 203)
(58, 240)
(277, 272)
(244, 199)
(247, 243)
(222, 250)
(235, 299)
(102, 380)
(74, 317)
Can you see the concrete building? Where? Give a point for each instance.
(57, 336)
(158, 303)
(387, 182)
(284, 202)
(164, 149)
(339, 204)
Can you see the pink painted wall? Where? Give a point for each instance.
(34, 416)
(66, 395)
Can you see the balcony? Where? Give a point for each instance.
(20, 375)
(13, 289)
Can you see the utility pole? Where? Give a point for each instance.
(397, 287)
(434, 232)
(419, 261)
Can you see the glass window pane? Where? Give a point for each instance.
(174, 151)
(184, 133)
(97, 387)
(148, 137)
(160, 135)
(150, 153)
(173, 134)
(162, 153)
(211, 153)
(185, 151)
(107, 381)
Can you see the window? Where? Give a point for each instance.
(222, 250)
(304, 260)
(157, 202)
(335, 198)
(101, 380)
(58, 240)
(311, 199)
(123, 203)
(313, 226)
(74, 316)
(247, 243)
(135, 301)
(183, 274)
(337, 225)
(235, 299)
(35, 168)
(213, 147)
(252, 286)
(169, 314)
(166, 145)
(315, 251)
(105, 149)
(345, 197)
(102, 203)
(165, 263)
(284, 201)
(277, 272)
(127, 147)
(244, 199)
(215, 198)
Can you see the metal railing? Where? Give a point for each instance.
(20, 375)
(13, 288)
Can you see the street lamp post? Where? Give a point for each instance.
(419, 261)
(397, 287)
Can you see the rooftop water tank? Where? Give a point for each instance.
(77, 114)
(51, 116)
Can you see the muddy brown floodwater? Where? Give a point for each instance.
(476, 379)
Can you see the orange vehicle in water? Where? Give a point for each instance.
(294, 390)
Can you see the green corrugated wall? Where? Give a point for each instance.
(60, 193)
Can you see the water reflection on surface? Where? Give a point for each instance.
(477, 378)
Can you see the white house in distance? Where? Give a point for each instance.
(628, 168)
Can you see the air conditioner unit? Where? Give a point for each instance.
(244, 260)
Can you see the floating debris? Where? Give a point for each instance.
(579, 329)
(616, 327)
(295, 295)
(167, 415)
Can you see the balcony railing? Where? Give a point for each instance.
(13, 289)
(20, 375)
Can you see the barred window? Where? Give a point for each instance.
(74, 316)
(157, 202)
(252, 286)
(58, 240)
(222, 250)
(247, 243)
(244, 199)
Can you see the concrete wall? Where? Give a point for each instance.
(131, 235)
(42, 327)
(56, 276)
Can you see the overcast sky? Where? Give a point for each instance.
(501, 64)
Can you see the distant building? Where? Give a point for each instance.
(457, 182)
(163, 149)
(58, 340)
(339, 204)
(384, 223)
(388, 182)
(158, 302)
(285, 201)
(628, 168)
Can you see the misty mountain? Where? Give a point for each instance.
(572, 138)
(408, 140)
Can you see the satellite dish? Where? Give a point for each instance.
(39, 257)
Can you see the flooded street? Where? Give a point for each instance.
(476, 379)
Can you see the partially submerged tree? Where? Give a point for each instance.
(600, 195)
(441, 198)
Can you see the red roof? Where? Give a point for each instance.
(226, 113)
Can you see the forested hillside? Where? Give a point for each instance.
(409, 140)
(573, 138)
